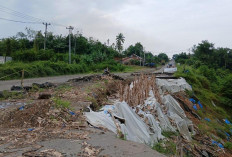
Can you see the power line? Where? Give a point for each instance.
(25, 16)
(56, 24)
(19, 14)
(20, 21)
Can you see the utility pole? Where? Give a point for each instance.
(144, 57)
(45, 33)
(70, 28)
(76, 36)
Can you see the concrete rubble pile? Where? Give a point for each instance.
(145, 119)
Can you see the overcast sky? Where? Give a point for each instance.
(167, 26)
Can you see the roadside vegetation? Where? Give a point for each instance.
(88, 55)
(208, 71)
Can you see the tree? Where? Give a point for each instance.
(163, 56)
(8, 47)
(31, 33)
(38, 41)
(205, 52)
(119, 41)
(137, 49)
(180, 58)
(226, 91)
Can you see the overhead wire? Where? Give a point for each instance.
(25, 16)
(19, 14)
(19, 21)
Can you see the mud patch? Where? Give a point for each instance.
(96, 78)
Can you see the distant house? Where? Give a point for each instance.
(127, 60)
(2, 59)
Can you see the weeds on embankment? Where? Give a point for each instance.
(207, 87)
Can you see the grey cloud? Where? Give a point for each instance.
(160, 25)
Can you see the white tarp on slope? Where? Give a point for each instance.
(135, 128)
(172, 85)
(176, 113)
(102, 118)
(170, 70)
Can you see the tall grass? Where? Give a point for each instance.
(206, 86)
(49, 68)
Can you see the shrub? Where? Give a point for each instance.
(32, 55)
(208, 73)
(228, 145)
(168, 148)
(49, 68)
(135, 62)
(61, 103)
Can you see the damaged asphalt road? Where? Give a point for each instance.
(56, 131)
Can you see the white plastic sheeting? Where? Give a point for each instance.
(172, 85)
(168, 116)
(102, 118)
(170, 70)
(134, 128)
(176, 113)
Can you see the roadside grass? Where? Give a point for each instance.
(134, 68)
(11, 95)
(60, 103)
(165, 147)
(63, 88)
(169, 134)
(12, 70)
(228, 145)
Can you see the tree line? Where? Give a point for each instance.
(28, 46)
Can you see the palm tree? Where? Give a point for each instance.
(119, 41)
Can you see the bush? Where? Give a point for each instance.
(168, 148)
(48, 68)
(228, 145)
(208, 73)
(226, 91)
(59, 103)
(134, 62)
(111, 64)
(32, 55)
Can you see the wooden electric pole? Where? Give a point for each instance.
(45, 33)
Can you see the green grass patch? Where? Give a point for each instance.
(134, 68)
(63, 88)
(11, 95)
(12, 70)
(205, 88)
(228, 145)
(167, 148)
(59, 103)
(169, 134)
